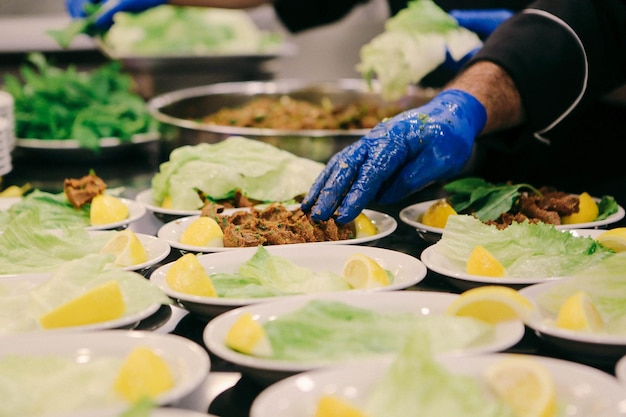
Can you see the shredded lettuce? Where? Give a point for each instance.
(259, 170)
(606, 285)
(265, 275)
(417, 385)
(524, 249)
(175, 30)
(414, 43)
(27, 247)
(70, 280)
(329, 330)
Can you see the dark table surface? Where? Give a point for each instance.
(230, 392)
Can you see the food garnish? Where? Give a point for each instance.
(437, 214)
(579, 313)
(203, 231)
(614, 239)
(482, 262)
(491, 303)
(103, 303)
(106, 209)
(332, 406)
(364, 226)
(187, 275)
(143, 374)
(587, 211)
(247, 336)
(127, 248)
(363, 272)
(14, 190)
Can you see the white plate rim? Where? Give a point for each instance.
(410, 213)
(210, 261)
(506, 334)
(146, 198)
(172, 230)
(538, 322)
(124, 321)
(430, 258)
(301, 391)
(73, 144)
(197, 361)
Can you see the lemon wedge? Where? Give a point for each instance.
(614, 239)
(363, 272)
(331, 406)
(248, 336)
(127, 248)
(204, 231)
(143, 374)
(167, 202)
(525, 385)
(437, 214)
(587, 211)
(579, 313)
(482, 262)
(187, 275)
(491, 303)
(102, 303)
(364, 226)
(107, 209)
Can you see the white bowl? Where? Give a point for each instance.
(188, 362)
(406, 269)
(420, 303)
(598, 349)
(583, 391)
(172, 231)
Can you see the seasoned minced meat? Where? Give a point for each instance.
(80, 191)
(276, 225)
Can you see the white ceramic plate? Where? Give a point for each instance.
(156, 250)
(583, 391)
(407, 270)
(419, 303)
(172, 231)
(70, 149)
(157, 412)
(146, 198)
(135, 212)
(125, 322)
(596, 348)
(412, 215)
(438, 263)
(189, 362)
(620, 370)
(7, 202)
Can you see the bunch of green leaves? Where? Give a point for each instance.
(56, 103)
(483, 199)
(86, 25)
(488, 201)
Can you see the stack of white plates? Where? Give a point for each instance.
(7, 136)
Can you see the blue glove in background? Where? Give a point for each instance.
(482, 22)
(398, 156)
(76, 9)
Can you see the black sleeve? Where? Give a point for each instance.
(562, 56)
(298, 15)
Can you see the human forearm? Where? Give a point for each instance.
(495, 90)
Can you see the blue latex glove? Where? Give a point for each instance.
(104, 21)
(398, 156)
(482, 22)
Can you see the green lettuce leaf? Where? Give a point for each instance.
(261, 171)
(524, 249)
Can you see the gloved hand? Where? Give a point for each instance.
(480, 21)
(104, 20)
(398, 156)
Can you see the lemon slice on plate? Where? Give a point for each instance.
(127, 248)
(364, 226)
(482, 262)
(107, 209)
(102, 303)
(187, 275)
(203, 231)
(143, 374)
(587, 211)
(491, 303)
(363, 272)
(437, 214)
(579, 313)
(614, 239)
(248, 336)
(525, 385)
(331, 406)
